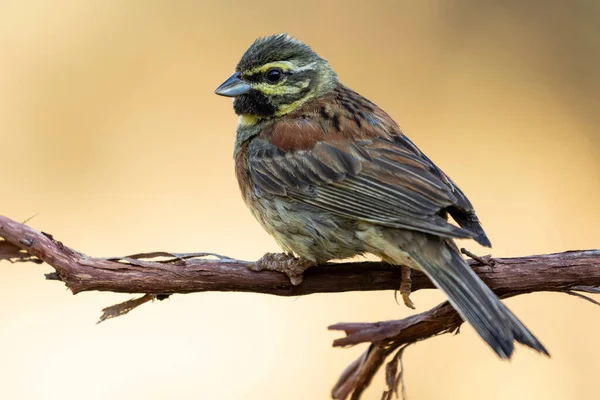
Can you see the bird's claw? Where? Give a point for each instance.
(282, 262)
(407, 301)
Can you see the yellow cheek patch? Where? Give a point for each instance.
(280, 89)
(248, 120)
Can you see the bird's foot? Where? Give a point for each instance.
(282, 262)
(405, 287)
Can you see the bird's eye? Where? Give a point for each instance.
(273, 75)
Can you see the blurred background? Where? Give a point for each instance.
(110, 133)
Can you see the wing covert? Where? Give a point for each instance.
(366, 181)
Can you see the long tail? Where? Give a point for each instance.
(473, 300)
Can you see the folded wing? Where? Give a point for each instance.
(384, 180)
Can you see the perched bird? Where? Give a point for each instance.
(330, 175)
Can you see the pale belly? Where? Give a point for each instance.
(308, 232)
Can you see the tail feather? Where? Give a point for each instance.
(474, 301)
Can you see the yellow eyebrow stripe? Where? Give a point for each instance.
(284, 65)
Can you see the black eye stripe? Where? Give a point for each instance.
(300, 76)
(257, 77)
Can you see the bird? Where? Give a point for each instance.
(330, 175)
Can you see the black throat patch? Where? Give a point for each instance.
(254, 103)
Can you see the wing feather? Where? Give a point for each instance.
(340, 180)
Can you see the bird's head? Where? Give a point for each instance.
(276, 75)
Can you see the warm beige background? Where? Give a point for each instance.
(110, 131)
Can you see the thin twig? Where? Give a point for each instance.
(489, 262)
(582, 296)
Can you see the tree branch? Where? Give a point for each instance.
(160, 273)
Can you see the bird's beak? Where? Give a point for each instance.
(233, 86)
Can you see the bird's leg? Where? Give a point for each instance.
(405, 287)
(282, 262)
(405, 282)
